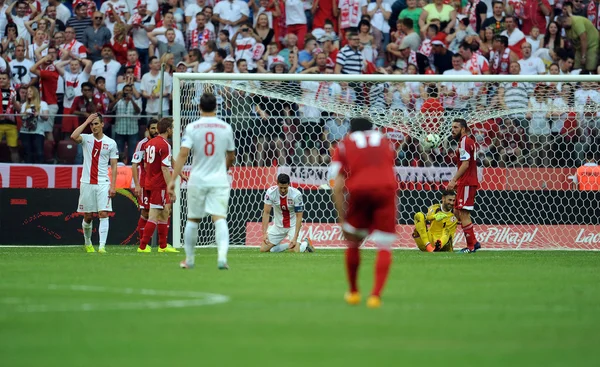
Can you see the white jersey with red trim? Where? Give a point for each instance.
(96, 158)
(284, 207)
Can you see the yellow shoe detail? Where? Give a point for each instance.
(101, 250)
(146, 250)
(352, 298)
(169, 248)
(374, 302)
(89, 248)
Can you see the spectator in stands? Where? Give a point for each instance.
(56, 25)
(367, 46)
(584, 37)
(96, 36)
(201, 34)
(502, 56)
(169, 22)
(243, 43)
(350, 59)
(48, 77)
(34, 114)
(413, 13)
(167, 47)
(43, 25)
(263, 30)
(324, 12)
(11, 41)
(380, 12)
(39, 42)
(457, 96)
(350, 13)
(223, 42)
(530, 65)
(20, 68)
(446, 14)
(192, 9)
(539, 126)
(476, 12)
(20, 16)
(126, 124)
(121, 43)
(62, 12)
(496, 21)
(74, 79)
(152, 89)
(106, 68)
(103, 96)
(8, 124)
(72, 47)
(514, 35)
(80, 21)
(139, 25)
(119, 7)
(230, 14)
(534, 13)
(291, 43)
(552, 39)
(134, 62)
(86, 103)
(463, 31)
(442, 57)
(514, 95)
(305, 57)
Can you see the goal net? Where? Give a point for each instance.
(533, 134)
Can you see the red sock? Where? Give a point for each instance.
(148, 232)
(352, 263)
(140, 228)
(382, 269)
(163, 232)
(469, 236)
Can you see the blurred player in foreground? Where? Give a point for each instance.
(139, 181)
(157, 159)
(96, 190)
(442, 226)
(465, 182)
(288, 208)
(211, 141)
(363, 166)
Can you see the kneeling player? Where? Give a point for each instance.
(442, 225)
(287, 207)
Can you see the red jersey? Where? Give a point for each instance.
(49, 83)
(367, 159)
(157, 156)
(81, 104)
(138, 157)
(467, 151)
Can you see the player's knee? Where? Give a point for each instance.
(103, 214)
(88, 217)
(265, 247)
(419, 217)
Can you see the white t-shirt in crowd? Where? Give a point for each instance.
(233, 11)
(378, 21)
(209, 138)
(532, 66)
(73, 84)
(151, 84)
(294, 12)
(20, 71)
(107, 71)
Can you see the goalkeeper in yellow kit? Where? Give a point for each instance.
(442, 225)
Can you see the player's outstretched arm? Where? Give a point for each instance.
(179, 163)
(76, 135)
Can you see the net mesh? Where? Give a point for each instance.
(531, 139)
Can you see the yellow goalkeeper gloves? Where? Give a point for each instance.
(440, 216)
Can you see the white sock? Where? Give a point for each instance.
(279, 248)
(103, 231)
(222, 238)
(87, 232)
(190, 238)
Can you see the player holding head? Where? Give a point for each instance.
(96, 190)
(363, 165)
(465, 182)
(287, 207)
(138, 157)
(211, 141)
(442, 226)
(157, 159)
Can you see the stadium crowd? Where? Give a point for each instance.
(61, 62)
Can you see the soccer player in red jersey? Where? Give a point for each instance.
(363, 166)
(139, 181)
(157, 158)
(465, 182)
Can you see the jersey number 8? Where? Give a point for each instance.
(209, 144)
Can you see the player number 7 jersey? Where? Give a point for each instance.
(96, 158)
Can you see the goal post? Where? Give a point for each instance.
(533, 133)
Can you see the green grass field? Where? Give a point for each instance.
(63, 307)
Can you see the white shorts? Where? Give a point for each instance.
(203, 201)
(94, 198)
(277, 234)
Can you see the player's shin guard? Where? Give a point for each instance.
(148, 232)
(222, 239)
(469, 236)
(140, 227)
(382, 269)
(87, 232)
(352, 264)
(103, 231)
(190, 238)
(163, 232)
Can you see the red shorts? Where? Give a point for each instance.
(157, 198)
(144, 200)
(465, 197)
(372, 210)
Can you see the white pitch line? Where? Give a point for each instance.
(193, 299)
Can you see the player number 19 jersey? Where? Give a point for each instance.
(209, 139)
(284, 207)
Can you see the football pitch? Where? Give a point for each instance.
(63, 307)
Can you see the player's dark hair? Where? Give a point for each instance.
(208, 102)
(448, 193)
(165, 124)
(283, 179)
(151, 122)
(360, 124)
(462, 122)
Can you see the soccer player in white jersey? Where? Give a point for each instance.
(96, 189)
(211, 141)
(288, 208)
